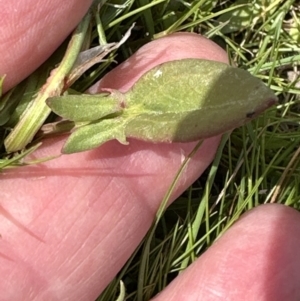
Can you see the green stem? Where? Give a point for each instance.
(36, 113)
(159, 213)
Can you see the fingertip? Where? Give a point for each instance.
(30, 31)
(257, 256)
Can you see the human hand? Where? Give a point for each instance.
(69, 225)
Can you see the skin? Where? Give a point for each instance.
(67, 226)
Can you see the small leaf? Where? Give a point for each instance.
(80, 108)
(94, 134)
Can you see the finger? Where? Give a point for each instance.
(256, 259)
(89, 211)
(31, 30)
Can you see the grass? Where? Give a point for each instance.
(258, 163)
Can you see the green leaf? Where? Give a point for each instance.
(93, 135)
(178, 101)
(80, 108)
(191, 99)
